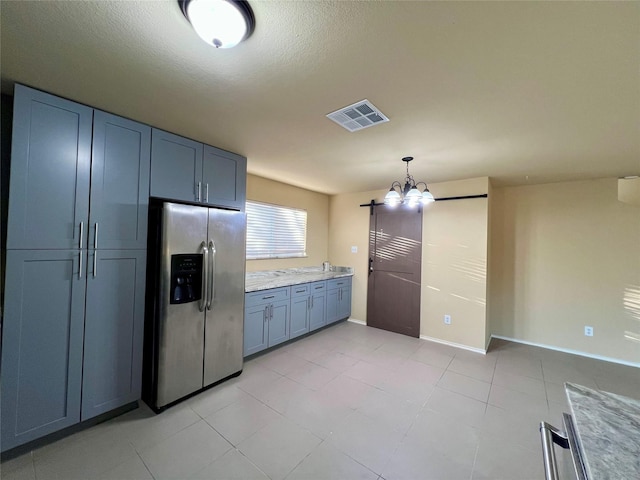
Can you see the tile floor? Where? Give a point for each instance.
(349, 402)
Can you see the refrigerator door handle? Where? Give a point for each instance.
(205, 262)
(212, 274)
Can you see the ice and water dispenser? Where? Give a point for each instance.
(186, 278)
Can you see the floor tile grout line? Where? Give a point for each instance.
(145, 464)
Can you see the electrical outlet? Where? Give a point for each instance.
(354, 249)
(588, 331)
(447, 319)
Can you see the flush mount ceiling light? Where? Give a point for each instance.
(409, 194)
(221, 23)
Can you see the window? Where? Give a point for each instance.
(274, 231)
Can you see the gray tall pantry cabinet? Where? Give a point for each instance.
(75, 271)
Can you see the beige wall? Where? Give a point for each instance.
(454, 265)
(317, 207)
(349, 227)
(453, 258)
(566, 255)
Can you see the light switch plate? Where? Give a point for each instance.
(354, 249)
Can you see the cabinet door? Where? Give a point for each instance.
(121, 155)
(332, 305)
(112, 372)
(256, 327)
(50, 162)
(344, 307)
(176, 167)
(299, 315)
(41, 344)
(224, 178)
(318, 317)
(279, 322)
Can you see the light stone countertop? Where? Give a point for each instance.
(608, 430)
(265, 279)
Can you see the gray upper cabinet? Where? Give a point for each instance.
(50, 164)
(185, 170)
(121, 155)
(224, 178)
(176, 167)
(42, 343)
(112, 373)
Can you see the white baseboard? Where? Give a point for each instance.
(566, 350)
(453, 344)
(359, 322)
(435, 340)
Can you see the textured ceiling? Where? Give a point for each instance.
(518, 91)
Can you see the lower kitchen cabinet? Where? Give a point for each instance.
(62, 362)
(318, 308)
(266, 319)
(279, 315)
(42, 338)
(256, 329)
(300, 306)
(276, 315)
(338, 299)
(113, 332)
(308, 307)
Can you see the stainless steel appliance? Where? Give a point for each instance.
(195, 300)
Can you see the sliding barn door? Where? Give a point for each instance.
(395, 255)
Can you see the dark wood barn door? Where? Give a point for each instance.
(395, 255)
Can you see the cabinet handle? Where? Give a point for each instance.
(206, 190)
(81, 235)
(319, 286)
(198, 191)
(264, 313)
(266, 298)
(95, 236)
(80, 269)
(311, 302)
(308, 303)
(95, 263)
(271, 312)
(300, 291)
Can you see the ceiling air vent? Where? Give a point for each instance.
(360, 115)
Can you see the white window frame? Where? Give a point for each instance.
(275, 231)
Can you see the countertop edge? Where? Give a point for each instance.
(295, 279)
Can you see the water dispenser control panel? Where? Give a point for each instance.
(186, 278)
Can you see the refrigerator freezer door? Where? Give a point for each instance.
(224, 324)
(181, 325)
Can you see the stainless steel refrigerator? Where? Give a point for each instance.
(195, 300)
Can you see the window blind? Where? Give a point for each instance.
(275, 231)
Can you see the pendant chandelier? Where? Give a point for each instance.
(409, 194)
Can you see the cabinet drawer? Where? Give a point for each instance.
(316, 287)
(338, 283)
(267, 296)
(300, 290)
